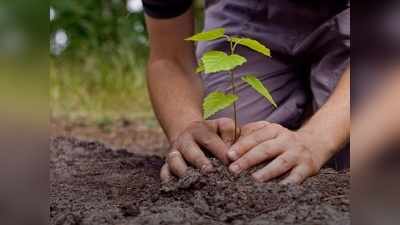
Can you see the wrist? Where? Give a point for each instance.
(176, 131)
(323, 146)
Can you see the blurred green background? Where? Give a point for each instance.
(98, 52)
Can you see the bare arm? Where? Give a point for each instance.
(376, 124)
(172, 81)
(331, 124)
(176, 93)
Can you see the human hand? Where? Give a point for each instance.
(216, 136)
(294, 151)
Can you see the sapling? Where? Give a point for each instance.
(218, 61)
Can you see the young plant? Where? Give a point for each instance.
(218, 61)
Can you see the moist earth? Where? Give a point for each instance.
(91, 183)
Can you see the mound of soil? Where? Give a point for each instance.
(93, 184)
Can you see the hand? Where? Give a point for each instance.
(214, 135)
(292, 151)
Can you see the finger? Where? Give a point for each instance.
(176, 163)
(165, 174)
(260, 153)
(192, 153)
(245, 143)
(213, 143)
(251, 127)
(277, 167)
(226, 129)
(297, 175)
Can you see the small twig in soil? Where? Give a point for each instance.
(335, 197)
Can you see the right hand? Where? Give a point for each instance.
(215, 136)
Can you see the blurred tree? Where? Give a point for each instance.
(98, 53)
(98, 26)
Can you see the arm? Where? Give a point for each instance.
(302, 152)
(379, 123)
(331, 124)
(171, 78)
(176, 93)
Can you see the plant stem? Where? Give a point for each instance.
(234, 104)
(233, 46)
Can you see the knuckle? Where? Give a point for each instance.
(275, 126)
(252, 127)
(286, 136)
(196, 125)
(284, 162)
(265, 153)
(208, 142)
(294, 157)
(182, 147)
(240, 145)
(173, 154)
(304, 153)
(258, 137)
(183, 138)
(244, 162)
(264, 149)
(302, 149)
(226, 122)
(262, 123)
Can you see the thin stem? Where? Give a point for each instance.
(232, 45)
(234, 104)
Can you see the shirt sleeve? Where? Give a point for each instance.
(165, 9)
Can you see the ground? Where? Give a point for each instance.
(145, 138)
(94, 183)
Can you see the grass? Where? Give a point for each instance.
(100, 89)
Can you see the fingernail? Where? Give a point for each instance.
(233, 155)
(233, 148)
(206, 169)
(235, 168)
(284, 182)
(257, 177)
(288, 182)
(166, 180)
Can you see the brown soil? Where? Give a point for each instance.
(93, 184)
(133, 135)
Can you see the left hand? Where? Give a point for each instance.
(293, 151)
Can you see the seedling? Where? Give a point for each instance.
(218, 61)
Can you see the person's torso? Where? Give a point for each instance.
(281, 25)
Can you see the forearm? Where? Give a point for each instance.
(175, 89)
(379, 124)
(329, 128)
(176, 95)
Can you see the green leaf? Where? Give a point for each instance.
(253, 44)
(200, 67)
(208, 35)
(257, 85)
(217, 61)
(217, 101)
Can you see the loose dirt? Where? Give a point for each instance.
(93, 184)
(133, 135)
